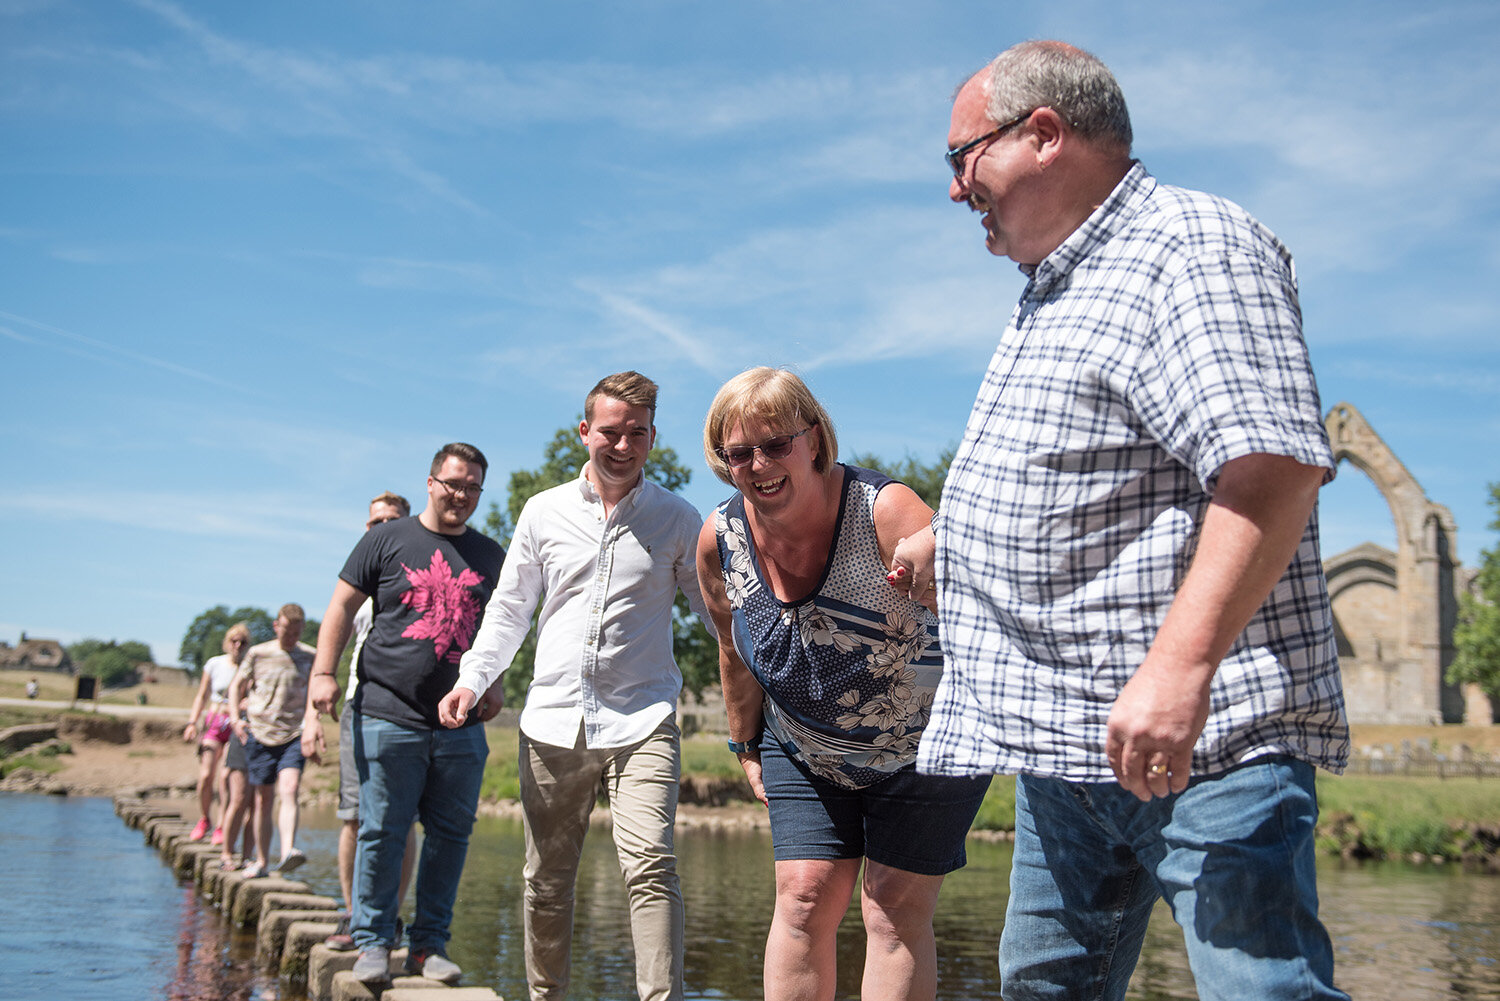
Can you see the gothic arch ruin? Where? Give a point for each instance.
(1394, 612)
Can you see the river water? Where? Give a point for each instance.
(87, 911)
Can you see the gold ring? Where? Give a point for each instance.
(1158, 769)
(932, 585)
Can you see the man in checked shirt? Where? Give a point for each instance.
(1126, 558)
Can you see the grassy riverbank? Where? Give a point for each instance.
(1362, 816)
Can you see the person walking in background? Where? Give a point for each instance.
(216, 729)
(272, 682)
(605, 555)
(828, 675)
(1126, 556)
(428, 579)
(386, 507)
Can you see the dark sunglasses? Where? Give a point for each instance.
(776, 447)
(955, 156)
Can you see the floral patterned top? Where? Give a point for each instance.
(849, 671)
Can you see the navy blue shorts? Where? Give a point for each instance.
(234, 756)
(265, 763)
(915, 823)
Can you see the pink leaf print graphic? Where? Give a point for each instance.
(450, 611)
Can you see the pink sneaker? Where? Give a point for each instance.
(200, 830)
(217, 837)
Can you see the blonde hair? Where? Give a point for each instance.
(394, 500)
(238, 629)
(775, 397)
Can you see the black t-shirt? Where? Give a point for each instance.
(429, 591)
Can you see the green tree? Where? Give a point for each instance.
(926, 480)
(562, 458)
(114, 664)
(1476, 636)
(205, 636)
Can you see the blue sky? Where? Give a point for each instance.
(257, 261)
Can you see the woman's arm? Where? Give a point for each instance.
(743, 696)
(190, 732)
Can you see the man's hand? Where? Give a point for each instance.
(491, 702)
(313, 743)
(1154, 724)
(241, 729)
(323, 694)
(453, 710)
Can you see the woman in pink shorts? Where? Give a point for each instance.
(213, 694)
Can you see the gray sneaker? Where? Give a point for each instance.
(433, 966)
(373, 965)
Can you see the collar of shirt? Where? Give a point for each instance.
(591, 492)
(1112, 216)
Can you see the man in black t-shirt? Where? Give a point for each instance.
(428, 579)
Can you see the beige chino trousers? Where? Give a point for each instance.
(558, 788)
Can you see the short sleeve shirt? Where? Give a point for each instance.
(1161, 340)
(428, 592)
(276, 681)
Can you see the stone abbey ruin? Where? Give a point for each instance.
(1394, 612)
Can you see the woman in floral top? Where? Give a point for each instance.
(828, 675)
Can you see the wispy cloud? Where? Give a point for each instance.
(888, 283)
(94, 349)
(1360, 140)
(279, 517)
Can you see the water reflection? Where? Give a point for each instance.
(87, 911)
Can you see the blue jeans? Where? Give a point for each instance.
(1232, 854)
(405, 774)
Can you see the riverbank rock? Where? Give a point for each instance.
(25, 779)
(713, 790)
(1481, 848)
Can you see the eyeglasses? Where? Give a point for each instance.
(955, 156)
(460, 488)
(776, 447)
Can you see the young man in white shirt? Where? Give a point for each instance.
(605, 555)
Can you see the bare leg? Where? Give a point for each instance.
(224, 796)
(234, 812)
(264, 797)
(801, 949)
(348, 839)
(288, 783)
(408, 863)
(208, 758)
(900, 951)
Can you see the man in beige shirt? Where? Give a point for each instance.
(271, 688)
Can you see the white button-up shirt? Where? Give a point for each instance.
(604, 638)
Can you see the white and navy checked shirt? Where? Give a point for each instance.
(1161, 340)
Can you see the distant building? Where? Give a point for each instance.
(35, 655)
(161, 674)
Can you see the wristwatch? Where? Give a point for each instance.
(742, 746)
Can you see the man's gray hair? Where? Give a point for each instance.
(1070, 81)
